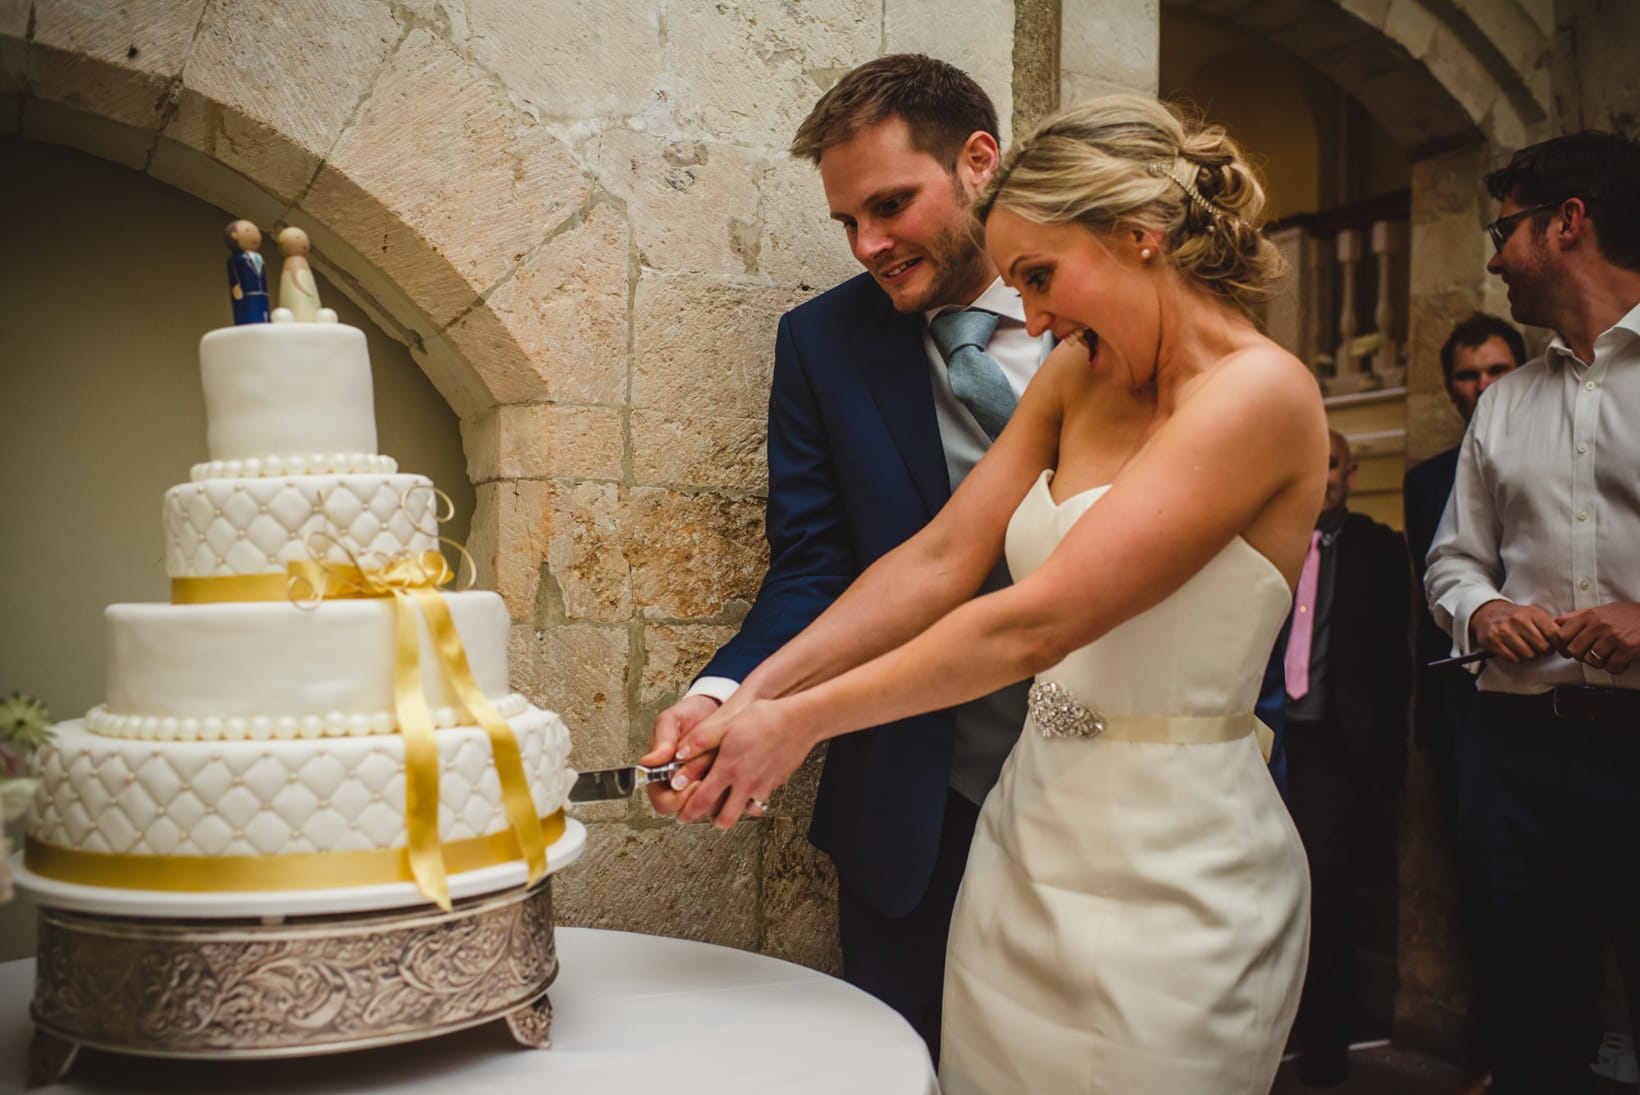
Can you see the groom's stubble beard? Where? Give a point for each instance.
(959, 263)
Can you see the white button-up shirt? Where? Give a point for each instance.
(1545, 509)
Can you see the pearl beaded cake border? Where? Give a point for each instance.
(274, 466)
(334, 724)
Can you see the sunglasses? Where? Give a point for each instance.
(1501, 229)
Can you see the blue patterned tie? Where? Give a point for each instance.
(976, 378)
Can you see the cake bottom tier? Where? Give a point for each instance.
(133, 799)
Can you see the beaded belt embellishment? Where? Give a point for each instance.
(1059, 714)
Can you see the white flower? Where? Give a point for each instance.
(15, 795)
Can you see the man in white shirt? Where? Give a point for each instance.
(1537, 563)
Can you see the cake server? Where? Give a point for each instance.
(612, 784)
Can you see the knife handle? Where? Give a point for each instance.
(660, 773)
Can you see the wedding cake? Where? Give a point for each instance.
(311, 710)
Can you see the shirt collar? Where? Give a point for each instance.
(1558, 353)
(997, 298)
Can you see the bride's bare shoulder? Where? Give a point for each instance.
(1263, 377)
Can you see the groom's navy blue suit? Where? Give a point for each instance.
(856, 468)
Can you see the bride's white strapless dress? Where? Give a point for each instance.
(1135, 913)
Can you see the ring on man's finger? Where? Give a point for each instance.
(1596, 660)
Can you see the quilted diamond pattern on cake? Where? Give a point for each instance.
(238, 807)
(290, 507)
(210, 837)
(160, 838)
(158, 778)
(126, 796)
(239, 508)
(186, 810)
(212, 780)
(267, 834)
(295, 803)
(255, 526)
(327, 827)
(136, 805)
(323, 774)
(266, 777)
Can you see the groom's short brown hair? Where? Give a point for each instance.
(939, 103)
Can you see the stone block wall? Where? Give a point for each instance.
(583, 222)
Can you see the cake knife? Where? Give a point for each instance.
(613, 784)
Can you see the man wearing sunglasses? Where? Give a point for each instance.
(1537, 562)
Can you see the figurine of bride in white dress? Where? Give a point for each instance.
(1134, 915)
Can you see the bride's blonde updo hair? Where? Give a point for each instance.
(1128, 160)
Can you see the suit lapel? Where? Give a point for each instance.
(890, 356)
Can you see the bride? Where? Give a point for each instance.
(1134, 913)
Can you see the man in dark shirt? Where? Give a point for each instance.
(1348, 676)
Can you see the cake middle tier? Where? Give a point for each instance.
(273, 659)
(219, 527)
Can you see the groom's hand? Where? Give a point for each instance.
(671, 725)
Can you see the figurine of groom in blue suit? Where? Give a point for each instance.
(870, 430)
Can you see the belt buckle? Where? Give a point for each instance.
(1059, 714)
(1578, 702)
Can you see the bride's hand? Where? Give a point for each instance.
(758, 747)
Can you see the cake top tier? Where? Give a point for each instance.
(287, 389)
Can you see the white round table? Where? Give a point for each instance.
(634, 1014)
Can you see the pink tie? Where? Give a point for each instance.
(1298, 642)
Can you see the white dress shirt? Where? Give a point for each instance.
(1545, 509)
(1013, 349)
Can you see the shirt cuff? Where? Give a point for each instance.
(719, 688)
(1463, 608)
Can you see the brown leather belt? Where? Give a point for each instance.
(1604, 705)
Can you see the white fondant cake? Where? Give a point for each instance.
(289, 389)
(257, 718)
(273, 658)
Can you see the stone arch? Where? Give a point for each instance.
(1458, 84)
(453, 254)
(1432, 72)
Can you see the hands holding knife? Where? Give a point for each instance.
(1604, 637)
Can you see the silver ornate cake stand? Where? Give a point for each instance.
(291, 985)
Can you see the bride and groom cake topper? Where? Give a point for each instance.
(248, 280)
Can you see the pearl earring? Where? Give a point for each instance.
(1144, 253)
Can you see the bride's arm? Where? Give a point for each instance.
(942, 566)
(1247, 452)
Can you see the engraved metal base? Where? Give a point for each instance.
(296, 987)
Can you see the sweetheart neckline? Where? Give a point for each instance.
(1048, 473)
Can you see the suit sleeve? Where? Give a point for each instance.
(811, 558)
(1395, 641)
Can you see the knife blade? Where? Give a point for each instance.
(613, 784)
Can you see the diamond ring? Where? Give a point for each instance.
(762, 807)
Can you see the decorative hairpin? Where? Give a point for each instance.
(1218, 216)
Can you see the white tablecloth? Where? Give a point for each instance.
(631, 1014)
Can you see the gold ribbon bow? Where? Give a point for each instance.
(413, 584)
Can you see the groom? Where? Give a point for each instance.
(870, 430)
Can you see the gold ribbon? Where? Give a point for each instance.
(412, 582)
(253, 873)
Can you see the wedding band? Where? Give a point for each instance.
(1596, 660)
(762, 807)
